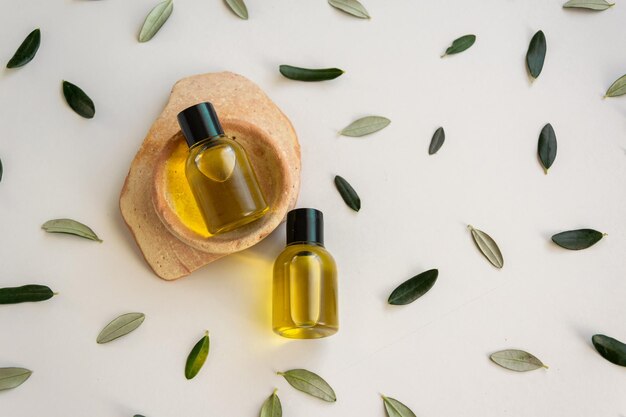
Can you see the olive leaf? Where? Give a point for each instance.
(272, 407)
(611, 349)
(487, 246)
(70, 227)
(310, 383)
(352, 7)
(120, 326)
(13, 377)
(536, 54)
(618, 88)
(394, 408)
(26, 51)
(365, 126)
(588, 4)
(25, 293)
(238, 7)
(197, 357)
(155, 19)
(350, 197)
(78, 100)
(546, 147)
(437, 141)
(577, 239)
(460, 45)
(1, 170)
(414, 288)
(307, 74)
(517, 360)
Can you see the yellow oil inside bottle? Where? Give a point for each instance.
(305, 292)
(180, 196)
(224, 184)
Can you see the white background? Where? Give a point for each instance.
(432, 355)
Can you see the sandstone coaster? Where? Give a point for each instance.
(156, 201)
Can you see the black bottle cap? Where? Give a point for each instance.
(199, 122)
(305, 225)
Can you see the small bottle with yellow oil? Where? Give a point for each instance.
(305, 280)
(219, 173)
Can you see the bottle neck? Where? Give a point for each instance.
(305, 242)
(207, 140)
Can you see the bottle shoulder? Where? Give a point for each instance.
(219, 144)
(304, 249)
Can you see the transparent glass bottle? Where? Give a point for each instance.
(219, 173)
(305, 280)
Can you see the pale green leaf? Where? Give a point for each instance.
(365, 126)
(517, 360)
(155, 19)
(120, 326)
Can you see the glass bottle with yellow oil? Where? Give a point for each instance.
(305, 280)
(219, 173)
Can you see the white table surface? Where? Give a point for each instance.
(433, 354)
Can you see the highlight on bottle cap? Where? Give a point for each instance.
(305, 225)
(199, 122)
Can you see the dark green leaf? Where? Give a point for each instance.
(26, 293)
(437, 141)
(517, 360)
(536, 54)
(546, 147)
(13, 377)
(588, 4)
(577, 239)
(352, 7)
(26, 51)
(395, 408)
(618, 88)
(305, 74)
(310, 383)
(1, 170)
(78, 100)
(120, 326)
(272, 407)
(197, 357)
(350, 197)
(70, 227)
(238, 7)
(487, 247)
(611, 349)
(413, 288)
(460, 45)
(155, 19)
(365, 126)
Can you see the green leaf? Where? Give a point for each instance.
(78, 100)
(350, 197)
(1, 170)
(588, 4)
(460, 45)
(13, 377)
(517, 360)
(352, 7)
(272, 407)
(488, 247)
(25, 293)
(546, 148)
(306, 74)
(120, 326)
(618, 88)
(155, 19)
(577, 239)
(611, 349)
(413, 288)
(238, 7)
(26, 51)
(395, 408)
(197, 357)
(536, 54)
(365, 126)
(310, 383)
(437, 141)
(70, 227)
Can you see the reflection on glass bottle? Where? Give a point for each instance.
(305, 280)
(219, 173)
